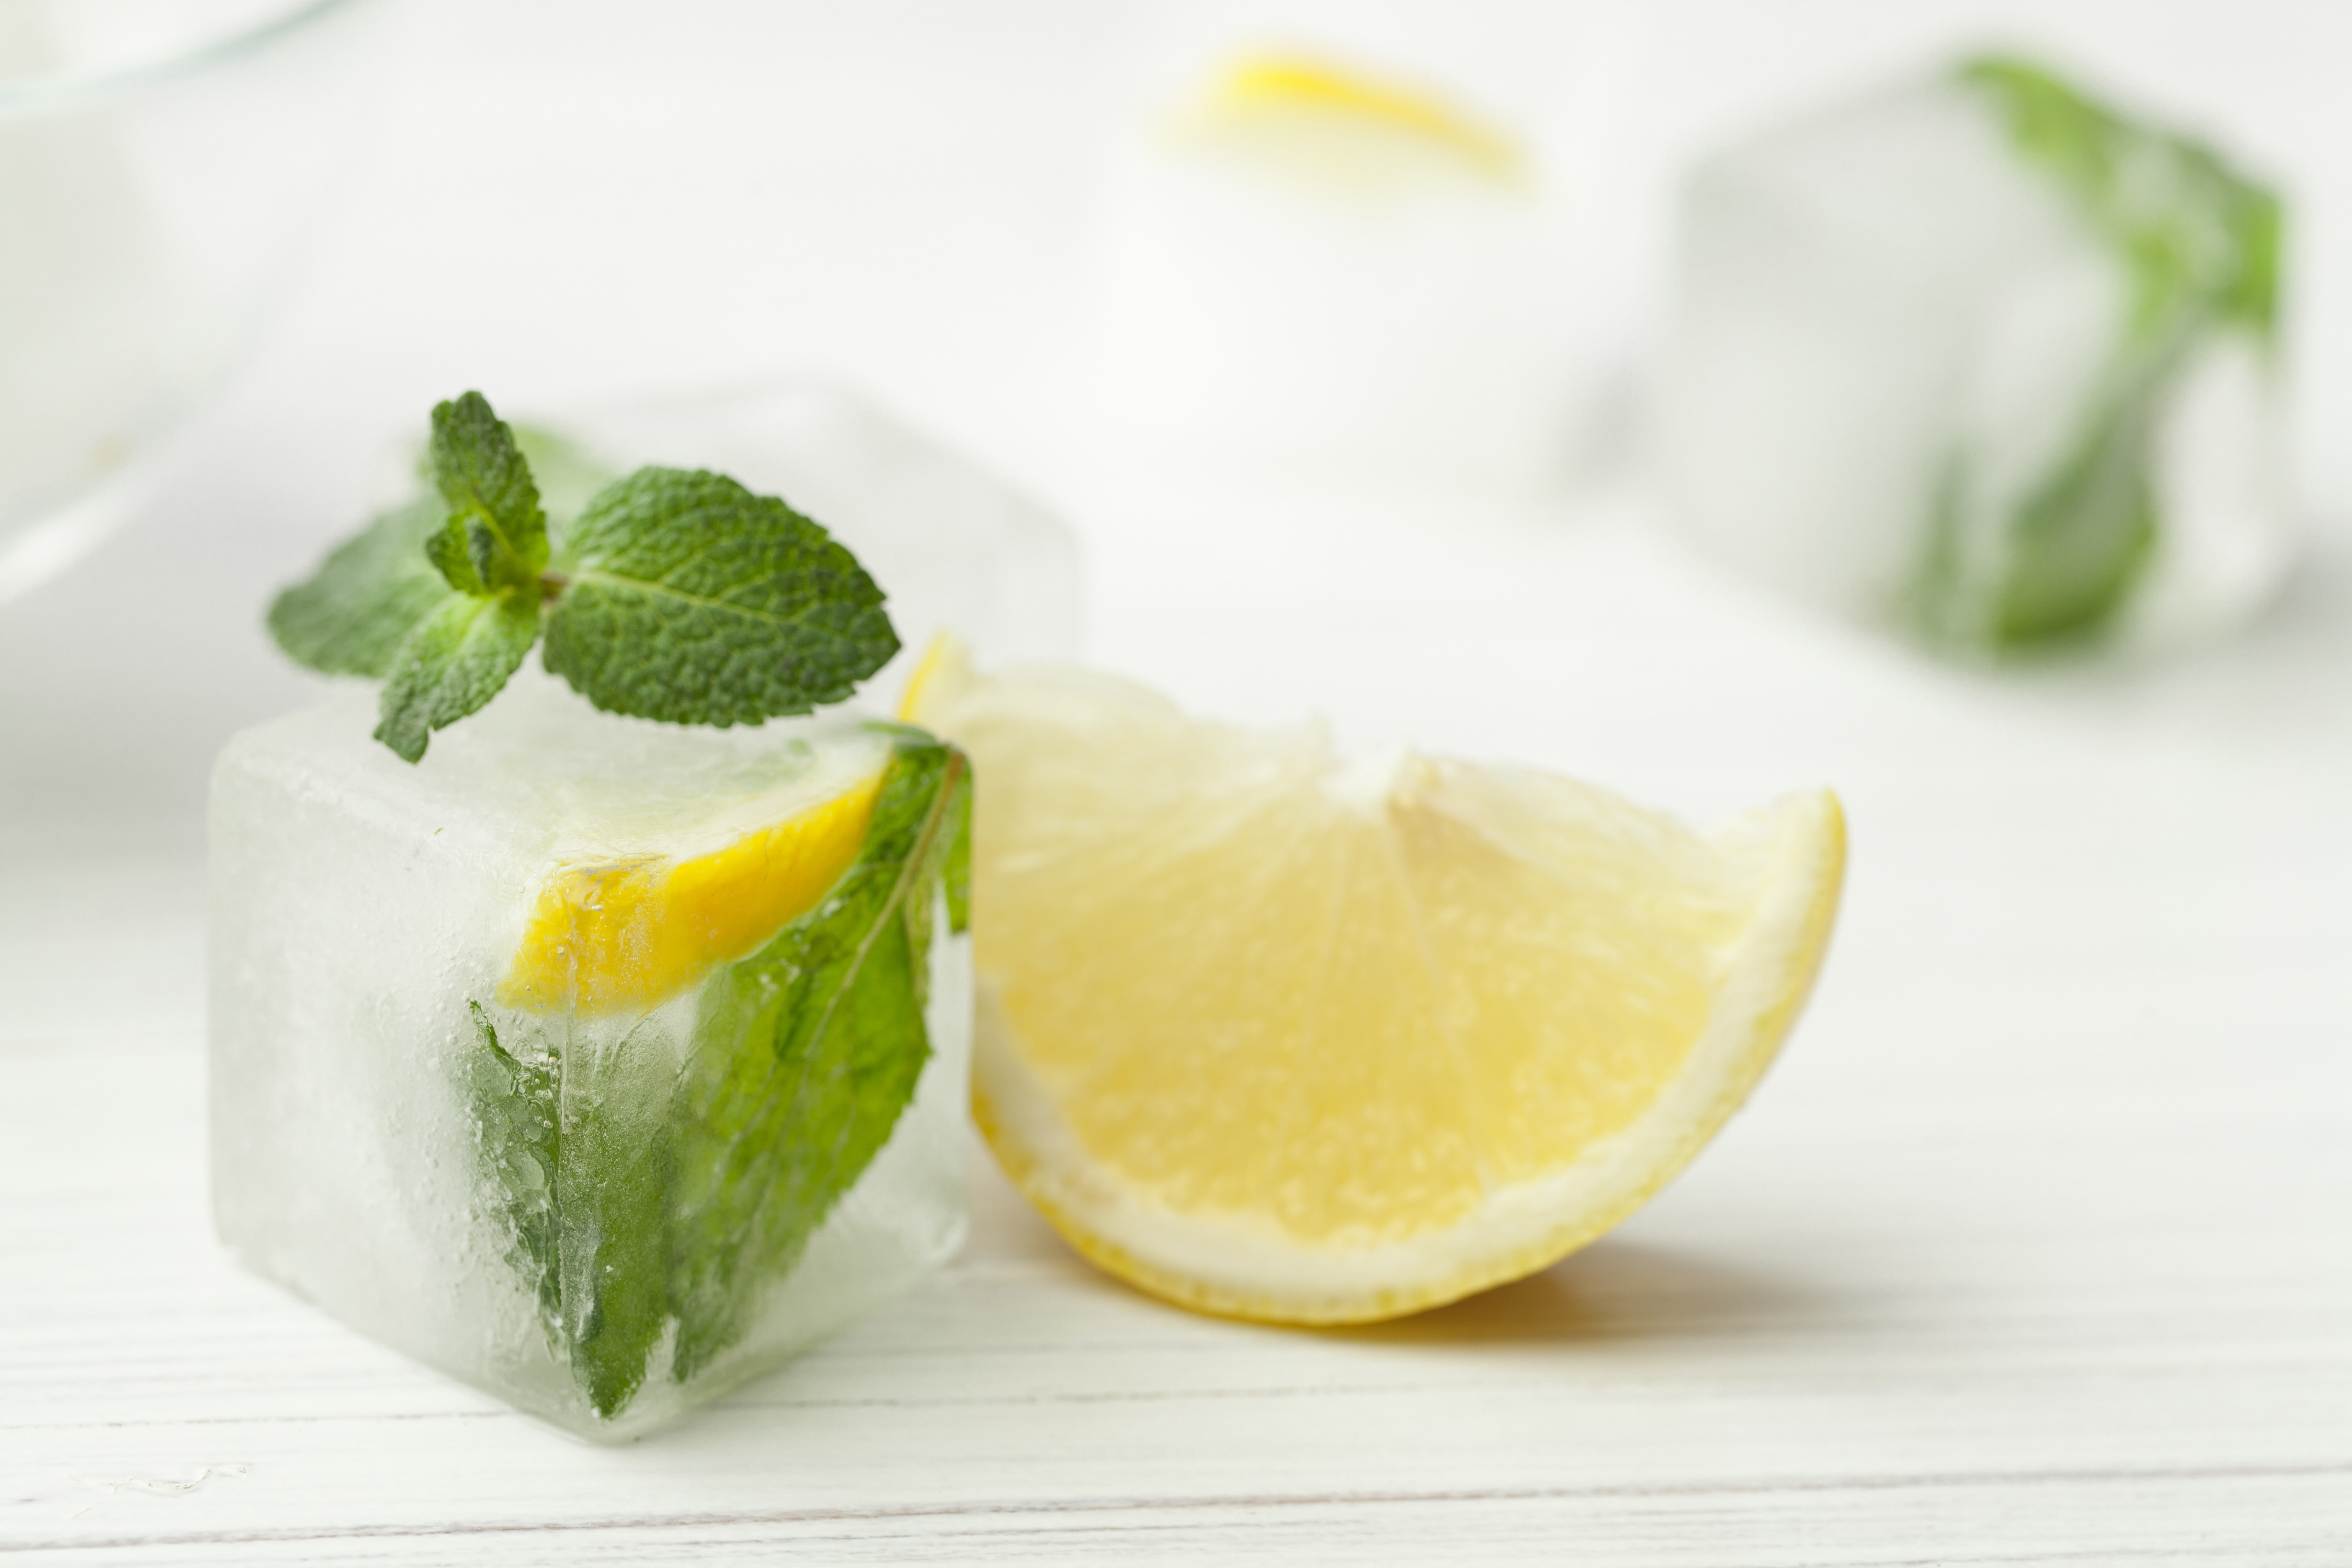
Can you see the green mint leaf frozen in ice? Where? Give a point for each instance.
(677, 1198)
(806, 1054)
(2197, 244)
(495, 538)
(956, 878)
(685, 597)
(2199, 238)
(579, 1180)
(611, 1195)
(515, 1117)
(350, 615)
(455, 660)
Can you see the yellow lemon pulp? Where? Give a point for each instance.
(623, 935)
(1281, 86)
(1295, 1039)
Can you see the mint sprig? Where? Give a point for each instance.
(458, 658)
(674, 594)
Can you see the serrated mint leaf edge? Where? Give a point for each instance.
(350, 615)
(620, 520)
(453, 663)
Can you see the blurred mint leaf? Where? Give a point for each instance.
(496, 535)
(455, 660)
(351, 614)
(567, 475)
(688, 598)
(2199, 238)
(2197, 244)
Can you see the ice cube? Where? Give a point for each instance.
(600, 1063)
(1984, 359)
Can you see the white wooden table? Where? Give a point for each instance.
(2033, 1250)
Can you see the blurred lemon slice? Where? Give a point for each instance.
(1330, 123)
(623, 935)
(1291, 1039)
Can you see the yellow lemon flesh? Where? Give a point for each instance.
(623, 935)
(1291, 1039)
(1282, 85)
(1338, 128)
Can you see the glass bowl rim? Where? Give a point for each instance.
(69, 91)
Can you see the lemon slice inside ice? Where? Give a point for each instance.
(625, 934)
(1280, 1037)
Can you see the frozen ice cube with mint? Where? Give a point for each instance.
(1987, 359)
(597, 1033)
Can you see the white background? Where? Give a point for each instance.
(2032, 1249)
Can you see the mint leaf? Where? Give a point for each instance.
(466, 553)
(610, 1196)
(688, 598)
(2196, 235)
(2198, 244)
(681, 1196)
(956, 878)
(496, 536)
(455, 660)
(350, 615)
(517, 1134)
(573, 1154)
(803, 1058)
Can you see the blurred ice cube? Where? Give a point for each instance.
(588, 1211)
(160, 166)
(1981, 358)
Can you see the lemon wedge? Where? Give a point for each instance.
(623, 935)
(1291, 1039)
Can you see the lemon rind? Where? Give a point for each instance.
(1241, 1265)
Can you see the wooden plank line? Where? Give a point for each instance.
(1982, 1480)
